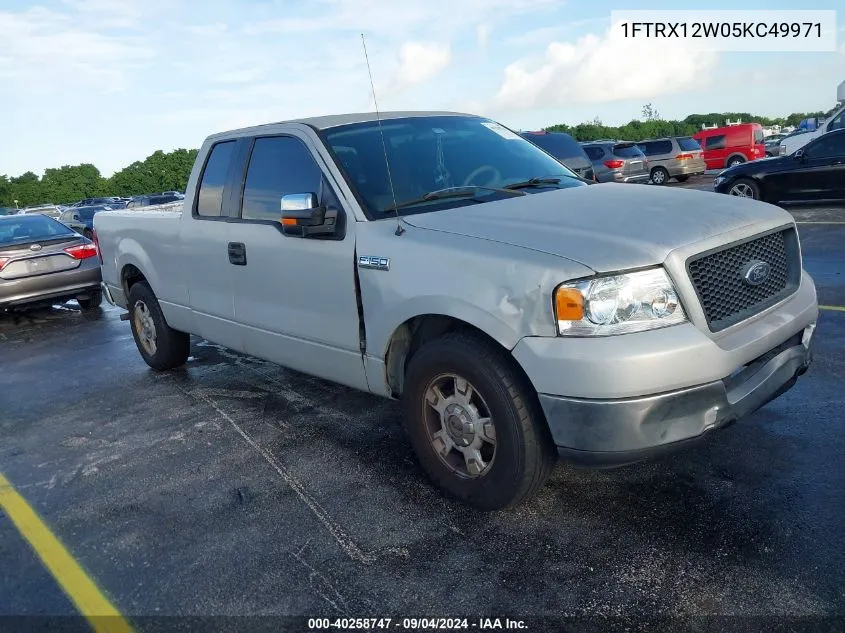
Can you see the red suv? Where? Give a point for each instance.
(731, 145)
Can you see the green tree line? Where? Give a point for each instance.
(161, 171)
(654, 127)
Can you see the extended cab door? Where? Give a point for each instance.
(295, 297)
(204, 239)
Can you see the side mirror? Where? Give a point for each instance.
(303, 216)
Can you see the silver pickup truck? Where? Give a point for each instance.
(519, 312)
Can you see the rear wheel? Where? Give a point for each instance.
(474, 422)
(659, 176)
(734, 161)
(745, 188)
(91, 302)
(160, 346)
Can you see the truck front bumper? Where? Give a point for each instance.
(622, 431)
(620, 399)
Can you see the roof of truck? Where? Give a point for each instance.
(334, 120)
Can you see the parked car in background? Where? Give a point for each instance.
(50, 210)
(564, 148)
(836, 121)
(42, 261)
(81, 219)
(617, 161)
(673, 157)
(730, 145)
(517, 312)
(8, 211)
(114, 202)
(815, 173)
(772, 143)
(155, 199)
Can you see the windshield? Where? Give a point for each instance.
(433, 153)
(17, 229)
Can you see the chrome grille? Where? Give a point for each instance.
(719, 277)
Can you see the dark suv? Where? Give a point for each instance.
(565, 148)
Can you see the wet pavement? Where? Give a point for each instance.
(234, 487)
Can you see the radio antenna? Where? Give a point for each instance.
(399, 228)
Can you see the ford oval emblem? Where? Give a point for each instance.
(756, 272)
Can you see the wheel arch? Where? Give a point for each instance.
(410, 335)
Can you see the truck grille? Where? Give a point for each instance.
(719, 277)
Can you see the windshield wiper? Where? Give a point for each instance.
(535, 182)
(451, 192)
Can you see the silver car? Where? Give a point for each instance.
(617, 161)
(44, 262)
(676, 157)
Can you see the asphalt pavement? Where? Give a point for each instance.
(235, 487)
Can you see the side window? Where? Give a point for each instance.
(595, 153)
(837, 123)
(210, 198)
(715, 142)
(279, 165)
(828, 146)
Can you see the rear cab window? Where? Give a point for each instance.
(210, 197)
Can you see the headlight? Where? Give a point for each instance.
(617, 304)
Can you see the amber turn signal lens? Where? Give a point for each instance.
(289, 221)
(569, 304)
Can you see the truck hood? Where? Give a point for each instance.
(606, 227)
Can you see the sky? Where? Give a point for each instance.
(109, 82)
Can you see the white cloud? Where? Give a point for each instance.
(63, 52)
(419, 62)
(602, 69)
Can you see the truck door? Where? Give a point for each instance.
(295, 298)
(204, 238)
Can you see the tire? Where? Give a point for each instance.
(523, 453)
(92, 302)
(659, 176)
(734, 161)
(170, 348)
(681, 178)
(745, 188)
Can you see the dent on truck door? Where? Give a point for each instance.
(295, 297)
(204, 240)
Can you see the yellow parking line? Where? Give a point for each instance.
(837, 308)
(89, 600)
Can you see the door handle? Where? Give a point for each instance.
(237, 253)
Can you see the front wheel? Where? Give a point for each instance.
(160, 346)
(474, 422)
(745, 188)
